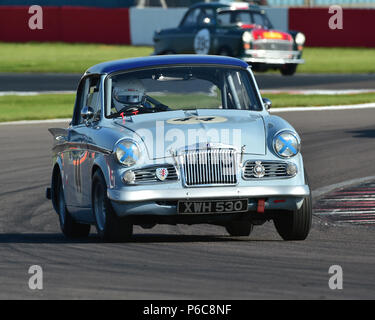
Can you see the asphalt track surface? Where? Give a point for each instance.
(69, 82)
(187, 262)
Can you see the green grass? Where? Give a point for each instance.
(281, 100)
(338, 60)
(76, 58)
(44, 106)
(62, 57)
(51, 106)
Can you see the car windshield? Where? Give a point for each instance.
(179, 87)
(243, 17)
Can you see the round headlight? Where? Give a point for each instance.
(300, 39)
(127, 152)
(286, 144)
(247, 37)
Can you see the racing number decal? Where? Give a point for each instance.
(202, 42)
(197, 119)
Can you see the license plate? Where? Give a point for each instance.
(212, 206)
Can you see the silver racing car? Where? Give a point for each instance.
(181, 139)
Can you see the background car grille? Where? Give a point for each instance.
(272, 170)
(148, 175)
(210, 167)
(273, 45)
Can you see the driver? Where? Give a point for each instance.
(128, 93)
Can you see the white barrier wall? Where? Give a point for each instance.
(144, 22)
(279, 17)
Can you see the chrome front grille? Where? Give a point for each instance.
(209, 167)
(273, 45)
(273, 169)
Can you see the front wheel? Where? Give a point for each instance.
(295, 225)
(69, 227)
(239, 228)
(288, 69)
(110, 227)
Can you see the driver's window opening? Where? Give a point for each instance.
(180, 88)
(89, 97)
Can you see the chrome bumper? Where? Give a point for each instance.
(129, 195)
(272, 57)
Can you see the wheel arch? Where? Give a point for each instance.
(101, 164)
(56, 174)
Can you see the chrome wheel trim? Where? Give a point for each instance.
(99, 207)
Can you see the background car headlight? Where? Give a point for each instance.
(127, 153)
(286, 144)
(300, 39)
(247, 37)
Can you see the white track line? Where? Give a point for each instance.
(317, 91)
(326, 108)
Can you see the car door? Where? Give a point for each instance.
(79, 134)
(205, 36)
(184, 40)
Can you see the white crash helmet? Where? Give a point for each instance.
(128, 92)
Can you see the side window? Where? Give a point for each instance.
(191, 19)
(224, 18)
(258, 19)
(206, 17)
(88, 95)
(243, 17)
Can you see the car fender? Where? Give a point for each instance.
(57, 170)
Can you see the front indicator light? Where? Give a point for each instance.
(291, 169)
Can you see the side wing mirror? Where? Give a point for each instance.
(267, 103)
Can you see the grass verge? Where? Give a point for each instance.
(53, 106)
(38, 107)
(62, 57)
(76, 58)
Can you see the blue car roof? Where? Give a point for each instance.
(134, 63)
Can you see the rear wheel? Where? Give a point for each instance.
(288, 69)
(69, 227)
(239, 228)
(110, 227)
(295, 225)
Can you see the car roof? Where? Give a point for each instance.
(142, 62)
(226, 5)
(213, 5)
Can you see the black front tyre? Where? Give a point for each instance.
(69, 227)
(295, 225)
(110, 227)
(288, 69)
(239, 228)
